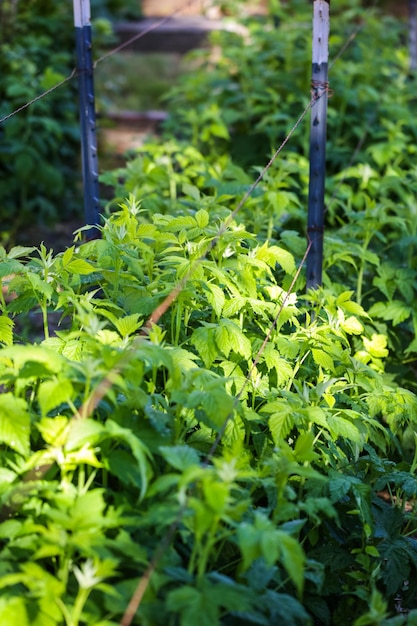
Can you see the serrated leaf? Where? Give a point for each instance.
(80, 267)
(82, 432)
(9, 268)
(216, 298)
(6, 330)
(339, 485)
(202, 218)
(32, 360)
(323, 359)
(274, 254)
(54, 429)
(184, 359)
(14, 423)
(221, 334)
(73, 349)
(40, 285)
(67, 255)
(280, 424)
(203, 339)
(284, 370)
(376, 346)
(341, 427)
(18, 251)
(395, 311)
(53, 393)
(396, 566)
(351, 325)
(233, 306)
(128, 325)
(230, 337)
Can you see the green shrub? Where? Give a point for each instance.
(39, 147)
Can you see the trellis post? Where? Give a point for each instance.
(319, 90)
(412, 34)
(82, 23)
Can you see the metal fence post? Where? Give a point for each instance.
(319, 86)
(85, 71)
(412, 34)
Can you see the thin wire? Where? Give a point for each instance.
(347, 43)
(42, 95)
(147, 30)
(258, 356)
(144, 580)
(75, 71)
(127, 43)
(103, 388)
(143, 583)
(166, 303)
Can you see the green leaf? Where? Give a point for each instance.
(233, 306)
(128, 325)
(84, 431)
(351, 325)
(20, 251)
(13, 611)
(203, 339)
(52, 393)
(230, 337)
(80, 267)
(39, 285)
(216, 298)
(341, 427)
(54, 429)
(293, 559)
(180, 457)
(339, 485)
(303, 449)
(194, 193)
(280, 424)
(395, 311)
(9, 268)
(32, 360)
(274, 254)
(6, 330)
(14, 423)
(139, 450)
(323, 359)
(283, 368)
(194, 606)
(67, 255)
(376, 346)
(396, 563)
(202, 218)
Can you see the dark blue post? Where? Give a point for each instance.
(319, 86)
(412, 36)
(87, 112)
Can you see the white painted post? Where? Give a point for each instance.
(82, 23)
(319, 87)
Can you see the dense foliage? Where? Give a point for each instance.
(266, 482)
(39, 147)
